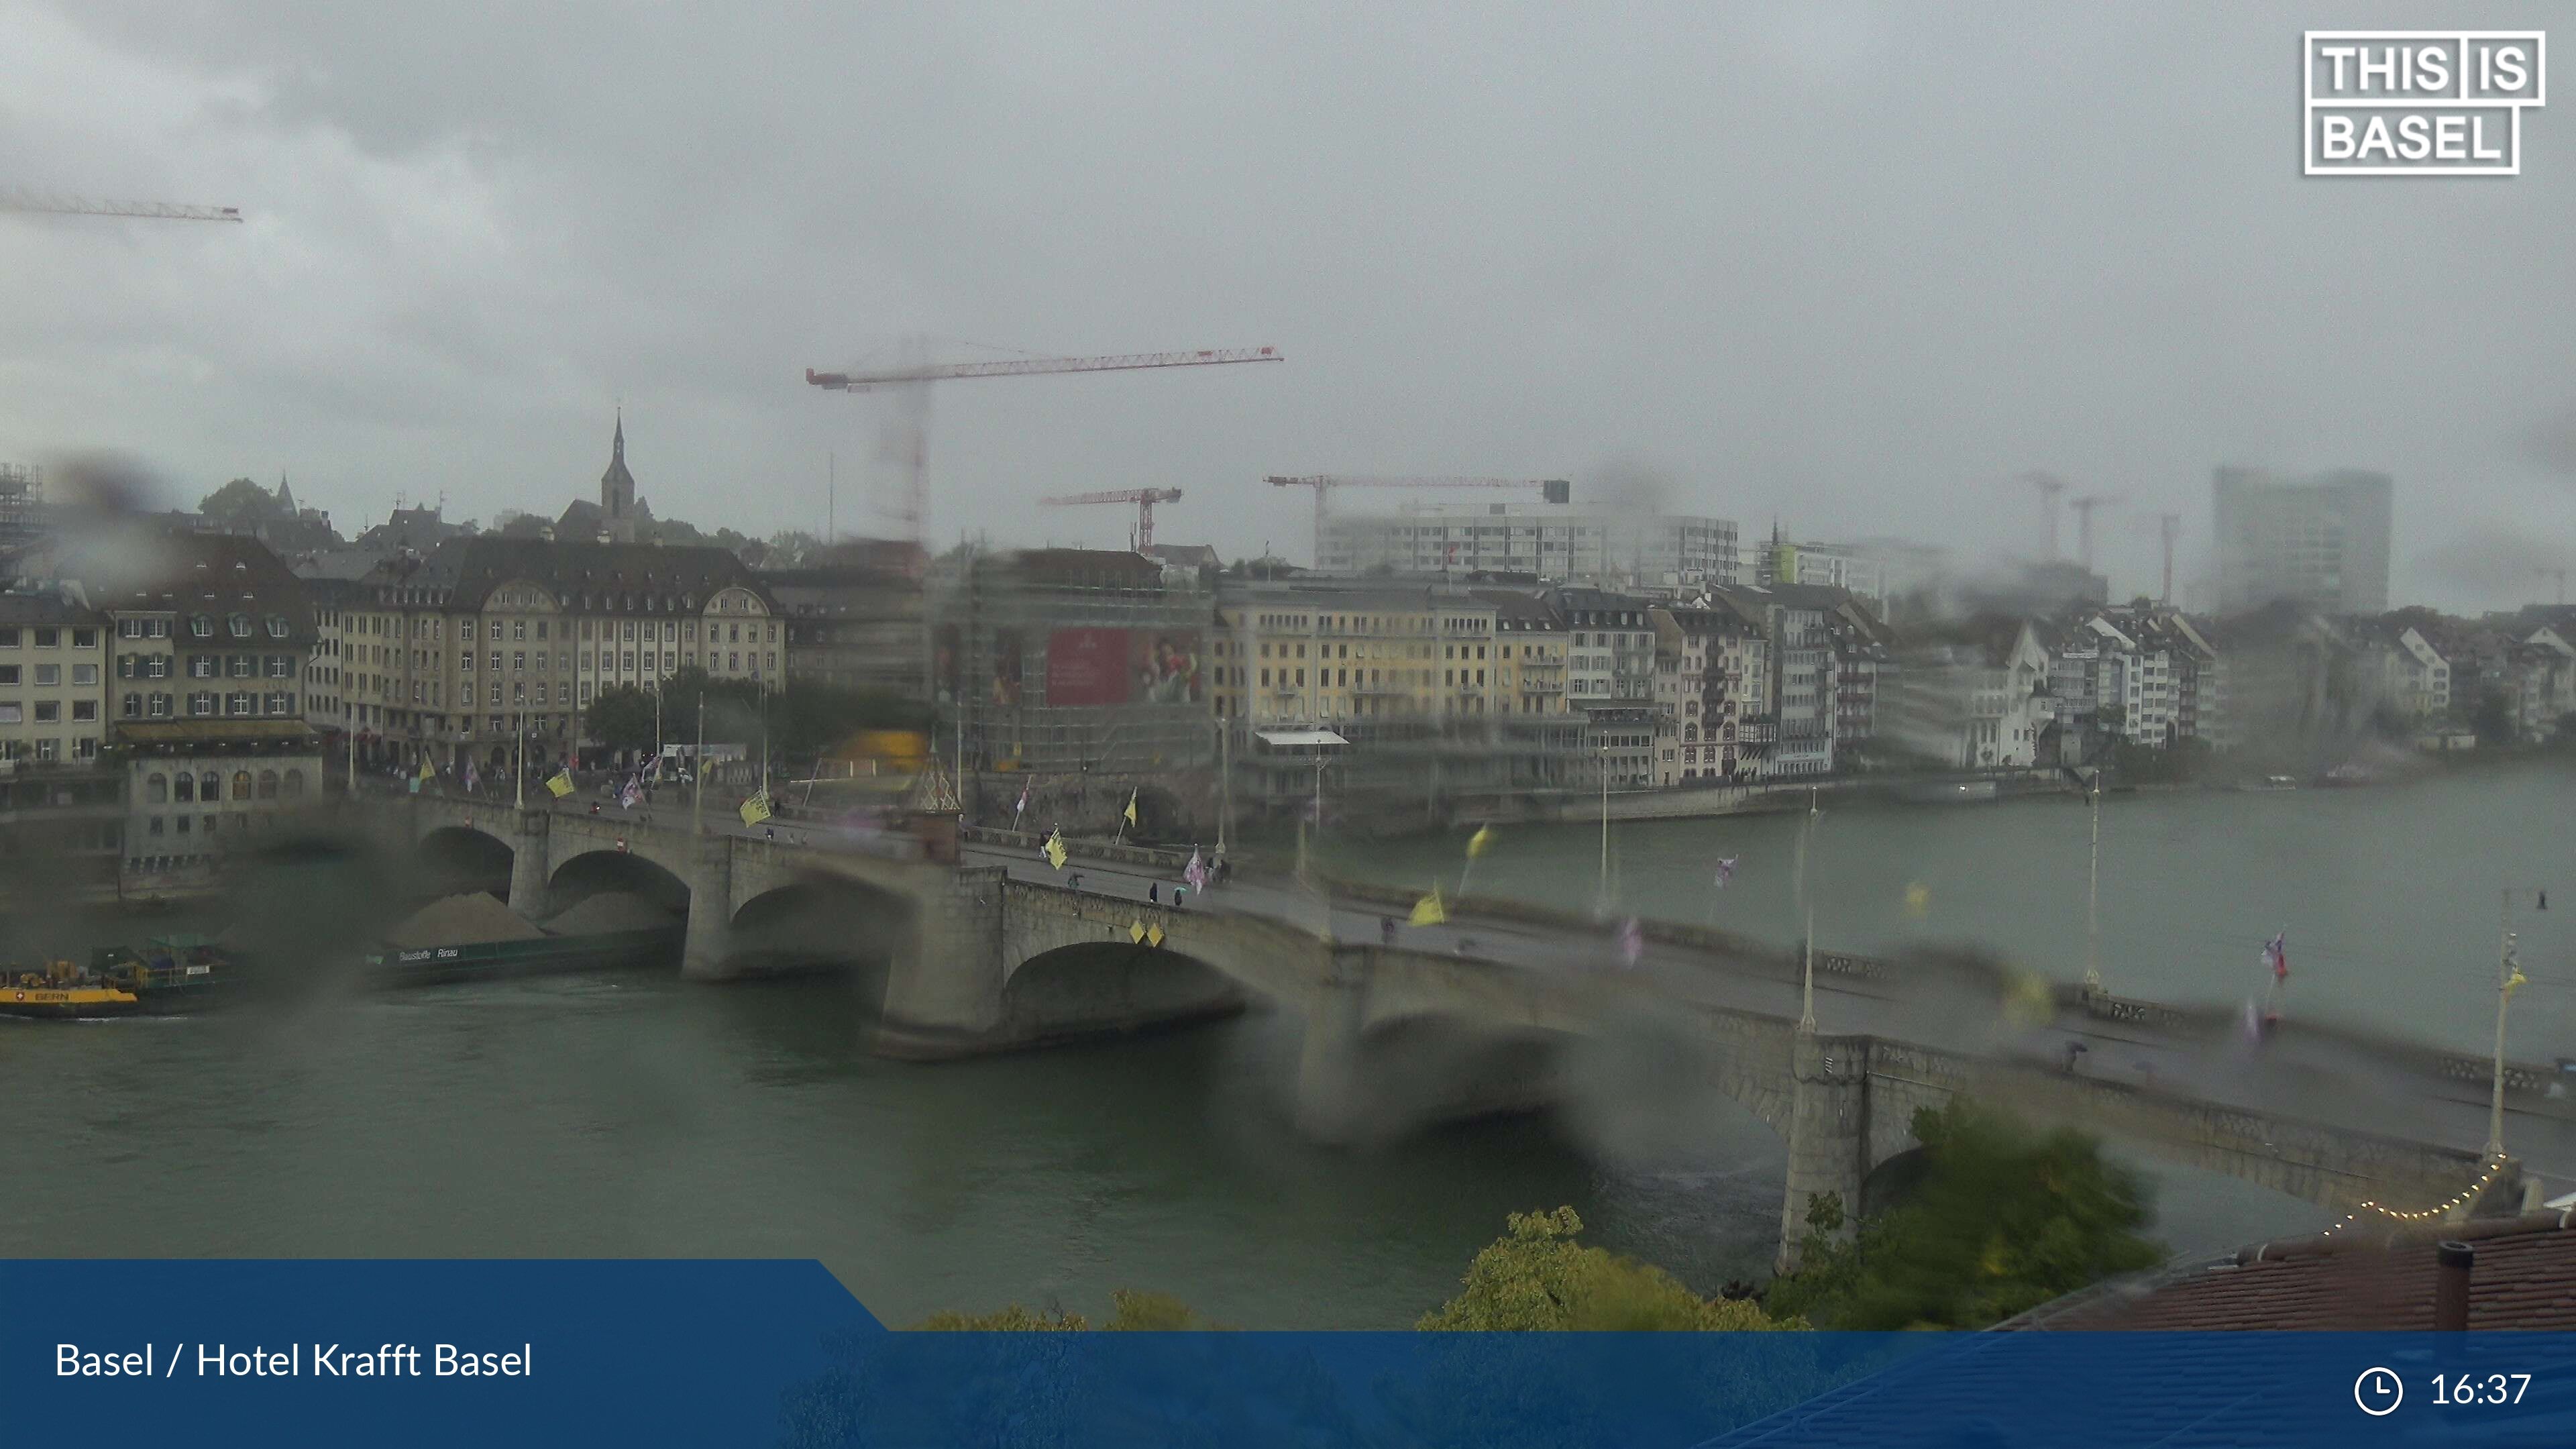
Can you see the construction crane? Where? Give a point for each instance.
(1143, 498)
(2561, 576)
(910, 380)
(16, 199)
(2049, 486)
(2084, 507)
(2171, 523)
(1552, 490)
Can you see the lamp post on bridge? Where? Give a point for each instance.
(2508, 976)
(1807, 901)
(2093, 896)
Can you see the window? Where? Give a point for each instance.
(201, 666)
(239, 624)
(241, 666)
(241, 784)
(49, 638)
(201, 703)
(519, 659)
(47, 748)
(237, 704)
(465, 661)
(495, 663)
(210, 787)
(8, 638)
(630, 630)
(84, 674)
(157, 667)
(519, 630)
(183, 788)
(49, 674)
(585, 691)
(160, 706)
(734, 661)
(125, 666)
(281, 666)
(585, 629)
(156, 790)
(629, 657)
(8, 673)
(277, 626)
(129, 628)
(133, 706)
(49, 711)
(156, 827)
(541, 630)
(268, 784)
(294, 784)
(284, 703)
(201, 627)
(86, 708)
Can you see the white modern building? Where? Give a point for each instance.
(2320, 542)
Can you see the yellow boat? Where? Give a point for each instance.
(60, 995)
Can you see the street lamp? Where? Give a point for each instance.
(1601, 893)
(2093, 896)
(1807, 902)
(2508, 976)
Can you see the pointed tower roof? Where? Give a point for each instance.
(285, 495)
(617, 486)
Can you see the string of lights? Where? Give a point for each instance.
(2469, 1194)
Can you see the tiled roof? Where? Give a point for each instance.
(2525, 1278)
(657, 577)
(43, 609)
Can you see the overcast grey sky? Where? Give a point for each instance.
(1855, 266)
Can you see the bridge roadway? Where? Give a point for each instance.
(1003, 952)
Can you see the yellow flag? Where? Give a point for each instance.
(560, 782)
(2517, 980)
(1918, 899)
(1136, 931)
(1428, 910)
(756, 809)
(1131, 807)
(1055, 851)
(426, 773)
(1154, 937)
(1477, 842)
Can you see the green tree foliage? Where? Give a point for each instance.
(1537, 1278)
(2492, 716)
(620, 718)
(1130, 1312)
(238, 502)
(2002, 1220)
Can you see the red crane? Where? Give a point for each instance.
(1143, 498)
(911, 380)
(1554, 490)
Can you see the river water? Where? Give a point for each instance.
(638, 1115)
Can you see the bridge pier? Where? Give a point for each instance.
(530, 867)
(710, 935)
(1328, 1055)
(1828, 1135)
(943, 993)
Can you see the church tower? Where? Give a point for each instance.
(617, 486)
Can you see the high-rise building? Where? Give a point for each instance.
(2320, 542)
(1626, 549)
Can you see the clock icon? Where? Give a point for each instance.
(2378, 1392)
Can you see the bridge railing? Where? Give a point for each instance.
(1173, 861)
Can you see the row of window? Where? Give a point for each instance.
(48, 638)
(200, 666)
(209, 787)
(201, 705)
(84, 747)
(669, 631)
(200, 626)
(48, 675)
(47, 711)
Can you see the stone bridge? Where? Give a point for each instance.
(979, 960)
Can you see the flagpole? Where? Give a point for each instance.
(1807, 1007)
(519, 776)
(2504, 998)
(2093, 896)
(698, 774)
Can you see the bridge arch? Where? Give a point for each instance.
(1092, 988)
(458, 858)
(819, 921)
(594, 872)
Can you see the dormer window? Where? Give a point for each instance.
(201, 627)
(240, 625)
(277, 626)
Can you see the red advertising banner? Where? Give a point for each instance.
(1087, 667)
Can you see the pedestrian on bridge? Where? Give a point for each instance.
(1154, 892)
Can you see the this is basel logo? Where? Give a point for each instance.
(2420, 102)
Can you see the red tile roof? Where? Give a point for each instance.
(2524, 1279)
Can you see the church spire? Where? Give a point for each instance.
(285, 495)
(617, 486)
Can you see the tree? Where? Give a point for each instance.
(1130, 1312)
(1536, 1278)
(620, 718)
(2001, 1220)
(2492, 717)
(239, 502)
